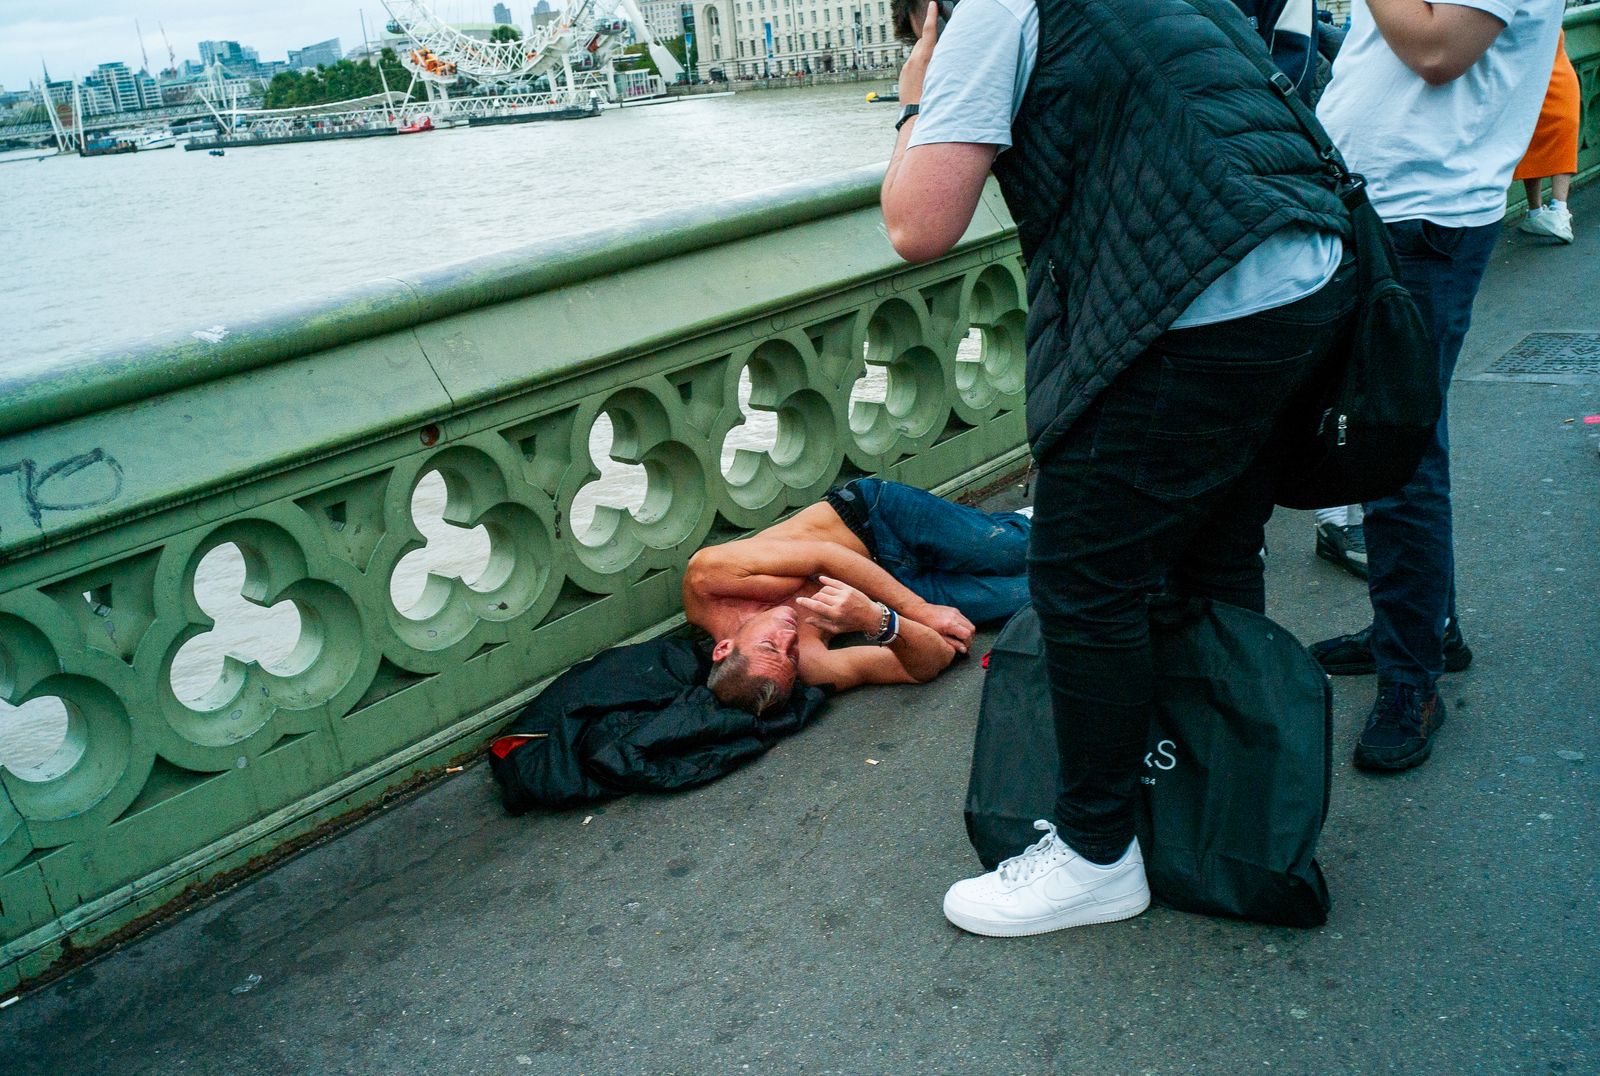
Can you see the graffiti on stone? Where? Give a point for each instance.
(44, 489)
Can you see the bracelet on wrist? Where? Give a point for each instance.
(888, 626)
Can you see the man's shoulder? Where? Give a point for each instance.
(988, 11)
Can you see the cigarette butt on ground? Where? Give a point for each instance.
(872, 762)
(10, 1001)
(454, 769)
(587, 819)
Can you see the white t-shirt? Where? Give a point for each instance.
(973, 89)
(1441, 153)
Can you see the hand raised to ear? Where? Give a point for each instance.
(916, 65)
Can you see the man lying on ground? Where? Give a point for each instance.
(909, 570)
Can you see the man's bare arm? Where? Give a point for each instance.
(930, 192)
(838, 607)
(1437, 41)
(916, 657)
(759, 569)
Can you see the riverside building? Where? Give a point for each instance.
(112, 87)
(322, 54)
(758, 38)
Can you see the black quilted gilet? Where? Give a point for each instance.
(1149, 157)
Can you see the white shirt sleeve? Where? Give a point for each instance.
(1504, 10)
(975, 80)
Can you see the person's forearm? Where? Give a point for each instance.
(891, 178)
(922, 651)
(867, 576)
(931, 193)
(1437, 41)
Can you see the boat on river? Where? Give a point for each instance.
(245, 138)
(147, 138)
(108, 147)
(570, 112)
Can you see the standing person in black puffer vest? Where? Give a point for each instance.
(1186, 276)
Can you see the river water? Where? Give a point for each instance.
(116, 249)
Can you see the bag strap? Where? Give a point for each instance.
(1352, 186)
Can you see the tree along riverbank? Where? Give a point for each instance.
(342, 81)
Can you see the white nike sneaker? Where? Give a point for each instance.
(1048, 887)
(1554, 220)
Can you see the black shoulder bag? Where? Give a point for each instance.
(1376, 403)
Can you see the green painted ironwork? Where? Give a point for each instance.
(301, 439)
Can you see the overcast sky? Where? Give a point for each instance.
(72, 36)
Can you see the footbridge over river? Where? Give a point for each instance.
(786, 918)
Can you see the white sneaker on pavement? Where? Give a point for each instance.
(1554, 220)
(1048, 887)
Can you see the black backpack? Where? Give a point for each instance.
(1237, 777)
(1360, 429)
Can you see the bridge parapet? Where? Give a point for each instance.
(300, 440)
(1583, 46)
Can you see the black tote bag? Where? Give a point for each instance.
(1235, 784)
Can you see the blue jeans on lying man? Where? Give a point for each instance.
(947, 553)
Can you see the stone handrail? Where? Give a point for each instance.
(300, 438)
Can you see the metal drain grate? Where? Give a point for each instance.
(1549, 359)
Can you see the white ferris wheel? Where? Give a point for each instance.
(575, 43)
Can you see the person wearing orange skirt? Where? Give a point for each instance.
(1553, 152)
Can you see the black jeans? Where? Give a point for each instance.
(1165, 483)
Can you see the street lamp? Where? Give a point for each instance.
(687, 13)
(861, 59)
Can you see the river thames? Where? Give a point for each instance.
(110, 251)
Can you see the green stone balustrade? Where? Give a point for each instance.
(300, 438)
(1583, 46)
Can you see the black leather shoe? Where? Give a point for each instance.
(1399, 730)
(1351, 655)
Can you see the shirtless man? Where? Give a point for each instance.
(874, 557)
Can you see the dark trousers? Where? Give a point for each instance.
(1410, 548)
(1165, 483)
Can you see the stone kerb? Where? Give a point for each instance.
(733, 374)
